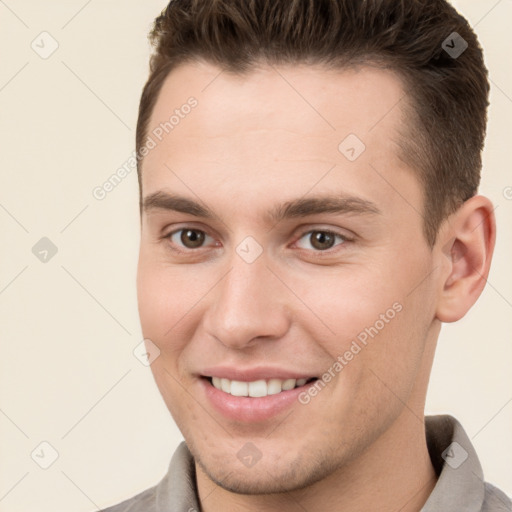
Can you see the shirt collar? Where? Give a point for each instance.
(178, 491)
(460, 484)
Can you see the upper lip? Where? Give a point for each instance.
(254, 373)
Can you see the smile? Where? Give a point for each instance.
(257, 388)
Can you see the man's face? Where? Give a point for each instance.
(245, 296)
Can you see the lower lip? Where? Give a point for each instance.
(251, 409)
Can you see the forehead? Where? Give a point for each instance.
(277, 126)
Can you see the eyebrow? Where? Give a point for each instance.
(296, 208)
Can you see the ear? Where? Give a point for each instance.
(464, 248)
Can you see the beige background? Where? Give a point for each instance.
(69, 326)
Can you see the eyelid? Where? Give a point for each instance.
(182, 249)
(304, 232)
(184, 226)
(323, 229)
(331, 231)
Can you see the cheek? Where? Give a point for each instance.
(369, 317)
(166, 303)
(345, 302)
(166, 297)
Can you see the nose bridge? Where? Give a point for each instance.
(247, 303)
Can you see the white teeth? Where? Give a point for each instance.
(225, 385)
(289, 384)
(257, 388)
(274, 386)
(239, 388)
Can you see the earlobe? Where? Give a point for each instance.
(467, 242)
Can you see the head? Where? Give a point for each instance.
(310, 212)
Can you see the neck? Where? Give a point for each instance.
(395, 473)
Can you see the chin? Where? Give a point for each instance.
(278, 474)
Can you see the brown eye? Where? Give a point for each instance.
(192, 238)
(322, 240)
(187, 238)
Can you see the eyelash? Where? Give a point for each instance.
(319, 253)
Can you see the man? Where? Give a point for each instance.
(308, 177)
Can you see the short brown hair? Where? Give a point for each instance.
(447, 110)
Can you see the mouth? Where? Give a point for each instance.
(253, 394)
(257, 388)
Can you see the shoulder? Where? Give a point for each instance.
(142, 502)
(175, 491)
(495, 500)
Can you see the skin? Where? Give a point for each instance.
(254, 142)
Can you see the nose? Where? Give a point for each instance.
(249, 304)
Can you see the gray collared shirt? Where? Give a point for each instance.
(460, 485)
